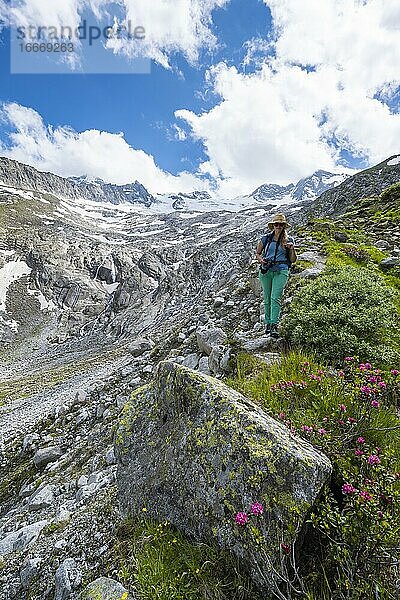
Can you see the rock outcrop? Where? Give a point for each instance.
(195, 452)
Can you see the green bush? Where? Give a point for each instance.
(391, 194)
(345, 311)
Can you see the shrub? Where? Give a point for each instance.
(345, 311)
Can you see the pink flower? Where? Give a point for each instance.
(382, 384)
(340, 422)
(352, 420)
(358, 452)
(347, 488)
(362, 367)
(372, 379)
(375, 403)
(282, 415)
(322, 431)
(241, 518)
(394, 372)
(306, 428)
(341, 373)
(349, 358)
(368, 365)
(257, 509)
(360, 440)
(374, 459)
(365, 495)
(366, 390)
(380, 514)
(325, 419)
(285, 548)
(342, 407)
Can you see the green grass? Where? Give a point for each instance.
(162, 564)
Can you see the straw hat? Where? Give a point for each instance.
(278, 218)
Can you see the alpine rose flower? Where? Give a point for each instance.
(365, 495)
(360, 440)
(375, 404)
(257, 509)
(347, 488)
(241, 518)
(374, 459)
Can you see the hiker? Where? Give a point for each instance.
(275, 252)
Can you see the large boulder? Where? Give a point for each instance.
(105, 588)
(195, 452)
(209, 338)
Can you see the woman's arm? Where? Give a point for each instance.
(291, 252)
(259, 250)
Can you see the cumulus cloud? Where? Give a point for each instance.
(171, 26)
(63, 151)
(329, 84)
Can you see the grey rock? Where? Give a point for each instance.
(110, 456)
(44, 456)
(30, 441)
(42, 498)
(390, 262)
(82, 481)
(203, 366)
(218, 302)
(140, 346)
(105, 588)
(382, 244)
(22, 538)
(148, 369)
(27, 489)
(311, 273)
(213, 453)
(208, 338)
(82, 416)
(80, 397)
(29, 571)
(215, 358)
(191, 361)
(68, 578)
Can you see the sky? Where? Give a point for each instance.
(217, 95)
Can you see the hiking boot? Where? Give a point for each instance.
(274, 331)
(268, 329)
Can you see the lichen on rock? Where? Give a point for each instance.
(194, 452)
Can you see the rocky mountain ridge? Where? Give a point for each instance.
(369, 182)
(20, 176)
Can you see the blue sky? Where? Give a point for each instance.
(249, 108)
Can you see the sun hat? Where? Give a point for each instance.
(278, 218)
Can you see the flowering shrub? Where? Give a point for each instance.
(351, 414)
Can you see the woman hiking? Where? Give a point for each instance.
(275, 252)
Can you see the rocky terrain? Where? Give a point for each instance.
(92, 297)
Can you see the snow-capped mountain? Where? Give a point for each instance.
(304, 190)
(20, 176)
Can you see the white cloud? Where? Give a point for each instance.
(171, 26)
(63, 151)
(278, 123)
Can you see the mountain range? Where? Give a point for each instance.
(18, 175)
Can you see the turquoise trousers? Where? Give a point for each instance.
(273, 283)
